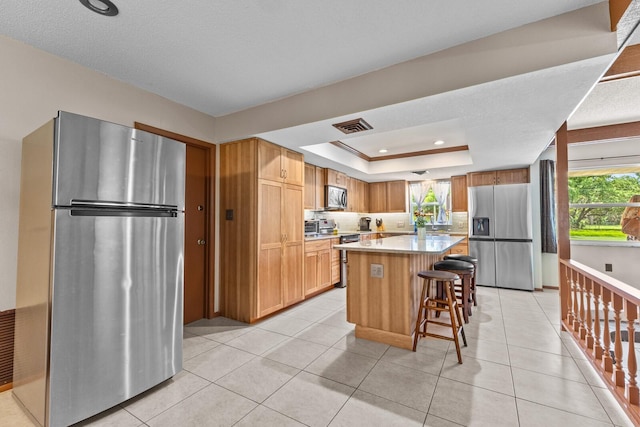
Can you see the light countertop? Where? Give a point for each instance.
(405, 244)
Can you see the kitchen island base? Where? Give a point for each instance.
(385, 308)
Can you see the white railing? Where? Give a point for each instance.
(601, 313)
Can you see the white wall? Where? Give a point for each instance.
(34, 86)
(624, 260)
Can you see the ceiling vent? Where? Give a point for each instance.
(353, 126)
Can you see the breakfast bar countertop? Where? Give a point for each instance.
(409, 244)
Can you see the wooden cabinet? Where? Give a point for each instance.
(333, 177)
(390, 196)
(461, 248)
(261, 229)
(363, 196)
(459, 193)
(313, 187)
(335, 261)
(506, 176)
(352, 195)
(280, 164)
(317, 266)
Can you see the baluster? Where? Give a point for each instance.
(569, 302)
(618, 373)
(631, 311)
(588, 284)
(597, 347)
(582, 332)
(574, 292)
(607, 362)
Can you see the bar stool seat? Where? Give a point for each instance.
(474, 261)
(430, 301)
(465, 270)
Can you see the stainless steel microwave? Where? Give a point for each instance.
(335, 198)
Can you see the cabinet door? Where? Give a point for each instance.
(310, 272)
(309, 186)
(377, 197)
(324, 269)
(397, 196)
(292, 273)
(270, 237)
(459, 193)
(269, 162)
(512, 176)
(352, 194)
(319, 188)
(476, 179)
(363, 196)
(335, 262)
(293, 166)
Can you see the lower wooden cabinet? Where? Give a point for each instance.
(317, 266)
(335, 261)
(461, 248)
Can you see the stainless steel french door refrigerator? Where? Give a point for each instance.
(500, 235)
(100, 267)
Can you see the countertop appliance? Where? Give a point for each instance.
(311, 227)
(365, 223)
(326, 226)
(345, 238)
(100, 267)
(335, 198)
(500, 235)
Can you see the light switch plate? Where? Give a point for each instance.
(377, 271)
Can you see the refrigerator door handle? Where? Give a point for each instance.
(103, 204)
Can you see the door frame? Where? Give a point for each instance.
(210, 254)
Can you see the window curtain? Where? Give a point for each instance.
(441, 190)
(548, 206)
(419, 191)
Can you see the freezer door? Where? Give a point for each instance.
(97, 160)
(512, 212)
(481, 206)
(484, 251)
(514, 265)
(116, 324)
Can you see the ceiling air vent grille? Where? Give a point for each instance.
(353, 126)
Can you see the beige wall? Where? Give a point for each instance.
(34, 86)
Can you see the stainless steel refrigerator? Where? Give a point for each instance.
(100, 267)
(500, 235)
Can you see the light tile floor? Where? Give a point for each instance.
(305, 367)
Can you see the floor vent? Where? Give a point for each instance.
(353, 126)
(7, 327)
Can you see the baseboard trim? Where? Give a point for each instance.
(554, 288)
(6, 387)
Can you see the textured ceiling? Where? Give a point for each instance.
(242, 61)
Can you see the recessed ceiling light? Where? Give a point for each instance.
(438, 142)
(103, 7)
(384, 150)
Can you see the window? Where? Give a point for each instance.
(598, 202)
(432, 198)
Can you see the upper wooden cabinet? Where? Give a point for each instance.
(499, 177)
(363, 196)
(313, 187)
(338, 179)
(390, 196)
(280, 164)
(459, 193)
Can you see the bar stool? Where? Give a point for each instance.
(448, 302)
(465, 271)
(474, 261)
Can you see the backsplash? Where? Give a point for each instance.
(348, 221)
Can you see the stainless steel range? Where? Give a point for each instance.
(345, 238)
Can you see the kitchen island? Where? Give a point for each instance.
(383, 289)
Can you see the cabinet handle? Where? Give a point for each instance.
(281, 173)
(200, 207)
(201, 242)
(285, 174)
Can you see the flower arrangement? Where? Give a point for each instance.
(421, 217)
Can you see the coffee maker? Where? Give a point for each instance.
(364, 223)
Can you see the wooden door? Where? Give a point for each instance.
(310, 272)
(195, 253)
(319, 188)
(270, 239)
(512, 176)
(476, 179)
(324, 269)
